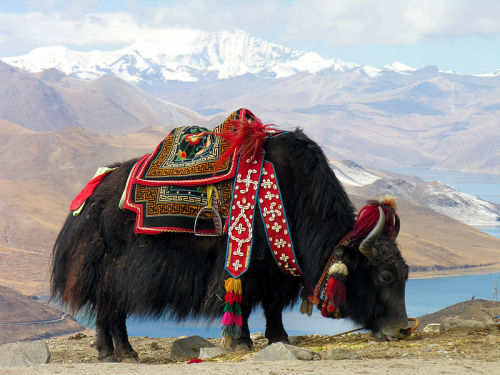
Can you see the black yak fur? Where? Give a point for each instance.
(99, 264)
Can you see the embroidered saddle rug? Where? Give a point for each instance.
(168, 188)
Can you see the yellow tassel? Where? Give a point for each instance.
(233, 285)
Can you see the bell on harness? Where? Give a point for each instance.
(211, 197)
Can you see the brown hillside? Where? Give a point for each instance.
(24, 318)
(50, 100)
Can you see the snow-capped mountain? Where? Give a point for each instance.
(396, 115)
(352, 174)
(440, 197)
(186, 55)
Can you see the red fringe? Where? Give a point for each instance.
(232, 298)
(368, 218)
(246, 139)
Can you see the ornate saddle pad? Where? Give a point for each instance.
(168, 187)
(188, 156)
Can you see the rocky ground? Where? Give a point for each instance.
(472, 345)
(423, 353)
(453, 349)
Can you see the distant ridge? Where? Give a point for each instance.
(51, 100)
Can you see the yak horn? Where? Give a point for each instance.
(367, 246)
(397, 226)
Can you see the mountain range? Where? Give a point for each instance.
(51, 100)
(438, 196)
(389, 117)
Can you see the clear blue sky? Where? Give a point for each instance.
(460, 35)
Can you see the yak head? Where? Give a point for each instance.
(375, 287)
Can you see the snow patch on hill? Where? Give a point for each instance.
(440, 197)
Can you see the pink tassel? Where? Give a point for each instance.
(227, 319)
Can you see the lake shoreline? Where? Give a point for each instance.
(456, 272)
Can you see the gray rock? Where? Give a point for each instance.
(24, 354)
(294, 340)
(283, 352)
(188, 348)
(338, 354)
(455, 324)
(257, 336)
(432, 328)
(206, 353)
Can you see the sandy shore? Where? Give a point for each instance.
(365, 366)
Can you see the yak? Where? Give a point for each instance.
(100, 265)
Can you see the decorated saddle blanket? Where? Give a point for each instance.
(168, 188)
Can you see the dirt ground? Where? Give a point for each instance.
(423, 353)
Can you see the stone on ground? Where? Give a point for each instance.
(188, 348)
(338, 354)
(257, 336)
(432, 328)
(283, 352)
(24, 354)
(207, 353)
(455, 324)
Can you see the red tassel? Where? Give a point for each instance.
(338, 292)
(335, 294)
(329, 289)
(247, 137)
(324, 310)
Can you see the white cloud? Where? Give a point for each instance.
(336, 22)
(391, 22)
(57, 28)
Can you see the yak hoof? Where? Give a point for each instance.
(130, 360)
(108, 359)
(242, 347)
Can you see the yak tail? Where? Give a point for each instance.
(75, 263)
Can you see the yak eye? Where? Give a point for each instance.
(386, 277)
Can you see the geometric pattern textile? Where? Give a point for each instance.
(273, 214)
(173, 208)
(189, 156)
(240, 225)
(168, 188)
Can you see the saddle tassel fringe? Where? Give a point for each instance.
(231, 320)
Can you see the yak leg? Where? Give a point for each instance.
(244, 342)
(123, 350)
(275, 332)
(104, 341)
